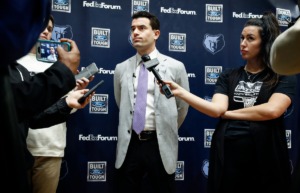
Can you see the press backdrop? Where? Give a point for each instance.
(204, 35)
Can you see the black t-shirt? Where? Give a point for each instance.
(246, 90)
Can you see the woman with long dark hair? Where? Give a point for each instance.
(249, 151)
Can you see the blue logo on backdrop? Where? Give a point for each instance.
(292, 166)
(207, 98)
(214, 13)
(61, 5)
(208, 133)
(212, 74)
(64, 170)
(139, 5)
(100, 37)
(214, 43)
(177, 42)
(61, 2)
(96, 171)
(289, 111)
(288, 134)
(99, 104)
(179, 172)
(139, 8)
(205, 168)
(129, 38)
(283, 16)
(62, 31)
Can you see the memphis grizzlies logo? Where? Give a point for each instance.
(289, 111)
(130, 38)
(205, 168)
(207, 98)
(214, 43)
(62, 31)
(64, 170)
(292, 166)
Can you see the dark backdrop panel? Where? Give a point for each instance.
(92, 134)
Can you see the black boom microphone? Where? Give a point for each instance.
(150, 65)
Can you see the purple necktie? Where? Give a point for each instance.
(141, 101)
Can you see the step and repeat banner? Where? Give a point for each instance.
(204, 35)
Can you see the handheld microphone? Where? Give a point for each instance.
(150, 65)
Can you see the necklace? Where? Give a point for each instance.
(249, 75)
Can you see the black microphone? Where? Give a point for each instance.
(150, 65)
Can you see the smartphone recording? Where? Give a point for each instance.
(46, 51)
(82, 99)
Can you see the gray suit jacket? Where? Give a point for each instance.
(169, 113)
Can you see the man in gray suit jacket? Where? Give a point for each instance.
(153, 152)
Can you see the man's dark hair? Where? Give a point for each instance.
(154, 22)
